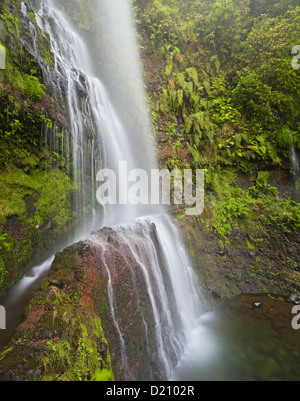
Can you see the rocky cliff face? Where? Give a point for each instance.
(251, 260)
(30, 221)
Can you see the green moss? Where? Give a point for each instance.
(69, 342)
(81, 353)
(22, 116)
(50, 189)
(80, 362)
(12, 17)
(12, 22)
(250, 247)
(32, 201)
(253, 208)
(31, 15)
(35, 197)
(32, 88)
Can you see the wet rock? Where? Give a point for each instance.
(13, 367)
(60, 119)
(12, 223)
(78, 286)
(32, 356)
(57, 283)
(81, 90)
(48, 226)
(294, 298)
(212, 269)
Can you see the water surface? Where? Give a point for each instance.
(240, 342)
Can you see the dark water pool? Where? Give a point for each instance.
(241, 342)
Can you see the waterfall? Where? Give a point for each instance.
(149, 251)
(294, 160)
(107, 123)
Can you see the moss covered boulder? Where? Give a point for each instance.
(104, 273)
(61, 339)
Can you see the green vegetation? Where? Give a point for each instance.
(35, 191)
(69, 341)
(230, 88)
(226, 99)
(82, 356)
(49, 192)
(32, 88)
(223, 96)
(261, 204)
(28, 204)
(79, 365)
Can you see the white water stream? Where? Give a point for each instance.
(294, 160)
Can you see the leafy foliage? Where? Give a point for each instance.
(229, 82)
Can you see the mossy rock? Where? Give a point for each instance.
(60, 340)
(35, 217)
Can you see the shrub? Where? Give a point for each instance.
(32, 88)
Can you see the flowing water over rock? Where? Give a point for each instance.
(96, 136)
(294, 160)
(149, 251)
(118, 144)
(17, 299)
(296, 168)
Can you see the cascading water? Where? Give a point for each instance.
(294, 160)
(147, 269)
(296, 168)
(102, 131)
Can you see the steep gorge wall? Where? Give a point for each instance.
(253, 259)
(35, 191)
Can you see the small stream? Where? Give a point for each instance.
(17, 299)
(241, 342)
